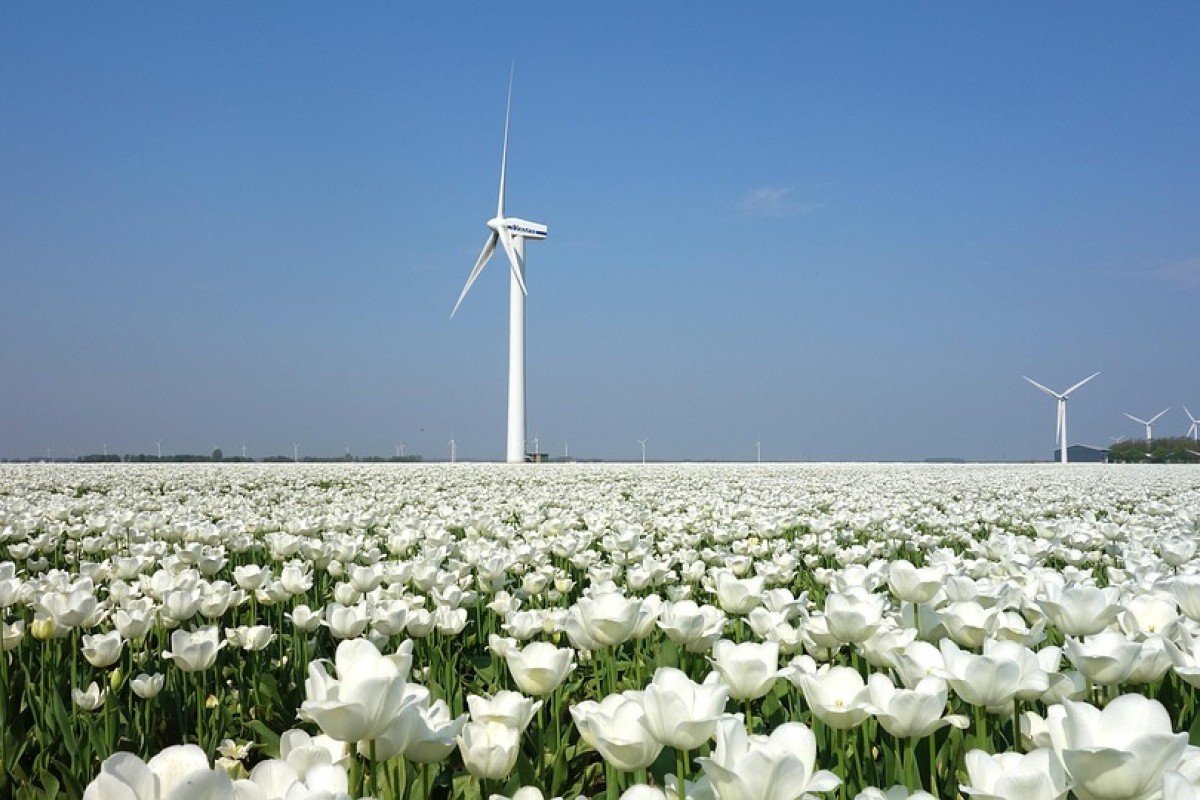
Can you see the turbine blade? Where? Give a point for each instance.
(1159, 414)
(1135, 419)
(1050, 392)
(514, 258)
(1189, 415)
(504, 152)
(1081, 383)
(488, 248)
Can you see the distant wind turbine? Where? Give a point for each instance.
(453, 451)
(1149, 423)
(1193, 431)
(510, 233)
(295, 451)
(642, 442)
(1060, 428)
(159, 446)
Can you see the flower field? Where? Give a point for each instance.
(752, 632)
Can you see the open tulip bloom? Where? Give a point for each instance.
(616, 728)
(681, 713)
(1120, 751)
(540, 667)
(749, 669)
(780, 766)
(370, 699)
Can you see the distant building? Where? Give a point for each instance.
(1084, 454)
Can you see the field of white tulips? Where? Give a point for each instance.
(747, 632)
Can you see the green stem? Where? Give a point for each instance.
(933, 781)
(355, 772)
(1016, 726)
(681, 774)
(840, 746)
(372, 779)
(982, 740)
(200, 710)
(912, 775)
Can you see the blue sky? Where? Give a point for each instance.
(843, 230)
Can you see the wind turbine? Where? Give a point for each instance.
(453, 451)
(1193, 431)
(1060, 428)
(642, 442)
(510, 233)
(1149, 423)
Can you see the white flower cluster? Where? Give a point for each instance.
(742, 616)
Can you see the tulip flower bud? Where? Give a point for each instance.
(43, 628)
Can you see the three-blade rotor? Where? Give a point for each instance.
(1061, 416)
(499, 225)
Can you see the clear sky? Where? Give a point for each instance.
(843, 230)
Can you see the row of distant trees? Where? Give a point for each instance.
(1176, 450)
(219, 457)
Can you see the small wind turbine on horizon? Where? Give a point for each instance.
(1149, 423)
(642, 442)
(1060, 428)
(510, 233)
(1194, 430)
(453, 451)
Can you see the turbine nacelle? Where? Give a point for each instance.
(519, 227)
(515, 226)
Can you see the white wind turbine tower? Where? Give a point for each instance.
(511, 233)
(1149, 423)
(1060, 428)
(1194, 430)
